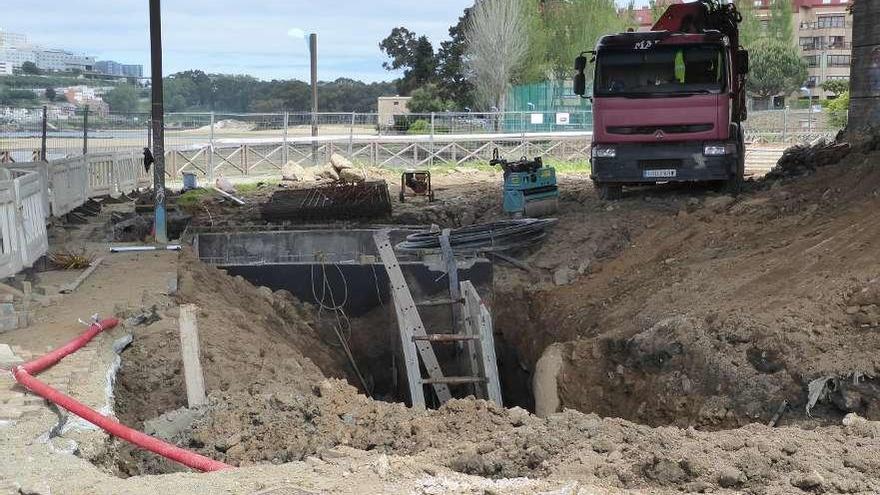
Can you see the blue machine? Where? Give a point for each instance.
(529, 187)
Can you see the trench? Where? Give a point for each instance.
(329, 268)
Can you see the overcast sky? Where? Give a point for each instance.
(263, 38)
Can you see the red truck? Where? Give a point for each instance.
(668, 104)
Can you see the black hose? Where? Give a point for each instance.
(497, 236)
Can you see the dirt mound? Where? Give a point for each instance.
(249, 338)
(276, 425)
(714, 316)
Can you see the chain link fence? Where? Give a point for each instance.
(27, 134)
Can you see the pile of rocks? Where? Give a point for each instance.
(802, 159)
(339, 169)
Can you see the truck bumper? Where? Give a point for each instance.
(650, 163)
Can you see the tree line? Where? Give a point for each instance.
(497, 43)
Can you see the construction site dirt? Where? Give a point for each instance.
(657, 337)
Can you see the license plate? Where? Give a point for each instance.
(660, 173)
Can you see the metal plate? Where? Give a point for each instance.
(660, 173)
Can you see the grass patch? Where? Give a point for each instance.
(193, 198)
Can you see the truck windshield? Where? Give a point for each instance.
(661, 70)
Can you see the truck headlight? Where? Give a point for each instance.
(718, 149)
(604, 151)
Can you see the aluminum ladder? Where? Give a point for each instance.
(474, 333)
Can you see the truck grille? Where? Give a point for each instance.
(659, 164)
(666, 129)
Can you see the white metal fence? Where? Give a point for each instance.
(29, 134)
(32, 192)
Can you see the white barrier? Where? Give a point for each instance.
(22, 221)
(30, 192)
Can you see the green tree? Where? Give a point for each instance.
(122, 98)
(50, 93)
(780, 26)
(574, 26)
(452, 77)
(836, 86)
(838, 110)
(30, 68)
(775, 68)
(657, 9)
(414, 54)
(750, 29)
(429, 98)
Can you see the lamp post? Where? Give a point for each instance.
(806, 92)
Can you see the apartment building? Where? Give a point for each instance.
(822, 31)
(15, 50)
(823, 34)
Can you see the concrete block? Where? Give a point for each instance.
(7, 309)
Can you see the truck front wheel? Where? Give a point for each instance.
(609, 192)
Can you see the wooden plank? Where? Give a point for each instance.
(189, 350)
(67, 289)
(410, 324)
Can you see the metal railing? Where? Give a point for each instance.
(242, 143)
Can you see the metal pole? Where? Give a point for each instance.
(351, 137)
(313, 52)
(810, 114)
(784, 123)
(211, 152)
(85, 130)
(43, 139)
(284, 151)
(432, 138)
(158, 120)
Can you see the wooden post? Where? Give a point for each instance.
(189, 350)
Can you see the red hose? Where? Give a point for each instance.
(23, 376)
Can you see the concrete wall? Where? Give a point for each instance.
(865, 81)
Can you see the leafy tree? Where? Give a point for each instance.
(750, 29)
(414, 54)
(836, 86)
(838, 110)
(780, 26)
(775, 68)
(657, 9)
(575, 26)
(429, 98)
(122, 98)
(51, 93)
(497, 43)
(452, 76)
(30, 68)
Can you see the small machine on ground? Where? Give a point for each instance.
(529, 187)
(418, 183)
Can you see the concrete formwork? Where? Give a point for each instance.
(865, 73)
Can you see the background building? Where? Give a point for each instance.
(823, 33)
(15, 50)
(112, 68)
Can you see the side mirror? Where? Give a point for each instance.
(580, 80)
(580, 84)
(742, 61)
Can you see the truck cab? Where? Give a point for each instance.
(667, 107)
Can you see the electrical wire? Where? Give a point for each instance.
(342, 328)
(497, 236)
